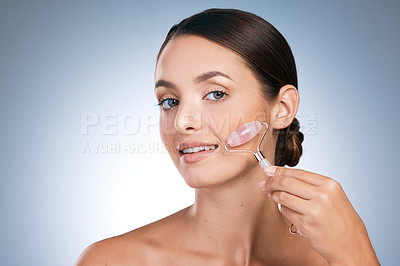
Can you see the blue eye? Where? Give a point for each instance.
(168, 103)
(215, 95)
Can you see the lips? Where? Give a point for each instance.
(193, 144)
(199, 148)
(195, 151)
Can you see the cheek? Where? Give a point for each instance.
(241, 110)
(222, 119)
(225, 122)
(216, 124)
(167, 129)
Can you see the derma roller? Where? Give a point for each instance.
(244, 134)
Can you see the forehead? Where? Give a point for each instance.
(191, 55)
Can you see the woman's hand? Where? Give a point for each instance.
(319, 208)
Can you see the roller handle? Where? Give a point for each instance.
(264, 163)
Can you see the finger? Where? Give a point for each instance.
(306, 176)
(293, 216)
(291, 185)
(291, 201)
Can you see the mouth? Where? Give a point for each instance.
(197, 153)
(199, 149)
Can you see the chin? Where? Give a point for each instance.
(207, 175)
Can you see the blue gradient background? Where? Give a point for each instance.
(61, 60)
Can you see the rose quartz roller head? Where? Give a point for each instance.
(244, 134)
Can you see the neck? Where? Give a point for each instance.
(238, 220)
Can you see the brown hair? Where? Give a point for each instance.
(264, 50)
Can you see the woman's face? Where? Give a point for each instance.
(205, 92)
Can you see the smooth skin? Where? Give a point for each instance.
(235, 219)
(319, 208)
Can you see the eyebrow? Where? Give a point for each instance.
(198, 79)
(208, 75)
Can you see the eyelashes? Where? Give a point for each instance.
(213, 96)
(168, 103)
(216, 94)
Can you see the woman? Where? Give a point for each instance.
(215, 71)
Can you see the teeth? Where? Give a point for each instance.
(199, 148)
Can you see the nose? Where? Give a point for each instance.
(188, 119)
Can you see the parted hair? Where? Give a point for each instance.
(264, 50)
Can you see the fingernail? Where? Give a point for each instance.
(262, 184)
(270, 170)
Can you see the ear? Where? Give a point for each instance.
(287, 103)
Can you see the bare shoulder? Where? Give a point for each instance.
(146, 245)
(112, 251)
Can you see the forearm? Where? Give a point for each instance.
(362, 254)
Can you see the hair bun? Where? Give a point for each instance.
(288, 146)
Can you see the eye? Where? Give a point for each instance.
(168, 103)
(215, 95)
